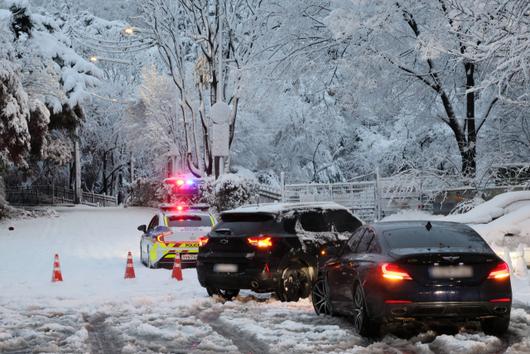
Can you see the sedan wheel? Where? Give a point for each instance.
(358, 310)
(320, 297)
(363, 324)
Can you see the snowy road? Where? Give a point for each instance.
(96, 311)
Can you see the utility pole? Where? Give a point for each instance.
(77, 169)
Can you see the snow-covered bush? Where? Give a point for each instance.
(229, 191)
(146, 192)
(466, 205)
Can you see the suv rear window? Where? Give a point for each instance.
(344, 221)
(188, 221)
(459, 236)
(249, 224)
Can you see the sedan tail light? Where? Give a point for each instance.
(501, 271)
(392, 271)
(203, 240)
(262, 242)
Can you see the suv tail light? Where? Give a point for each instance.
(262, 242)
(392, 271)
(203, 240)
(501, 271)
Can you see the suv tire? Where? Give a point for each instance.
(295, 283)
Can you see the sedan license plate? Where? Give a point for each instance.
(451, 272)
(225, 268)
(188, 257)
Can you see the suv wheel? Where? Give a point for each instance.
(227, 294)
(294, 284)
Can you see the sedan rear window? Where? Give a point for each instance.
(451, 236)
(188, 221)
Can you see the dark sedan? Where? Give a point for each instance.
(415, 271)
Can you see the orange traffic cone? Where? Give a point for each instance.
(56, 275)
(177, 268)
(129, 268)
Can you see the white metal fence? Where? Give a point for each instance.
(372, 198)
(50, 194)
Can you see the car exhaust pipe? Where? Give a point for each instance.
(398, 311)
(254, 284)
(500, 309)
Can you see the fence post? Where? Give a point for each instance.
(377, 194)
(282, 185)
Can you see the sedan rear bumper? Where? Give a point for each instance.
(449, 310)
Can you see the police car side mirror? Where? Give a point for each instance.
(142, 228)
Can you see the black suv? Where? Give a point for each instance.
(271, 248)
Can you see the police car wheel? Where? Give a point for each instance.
(149, 263)
(142, 258)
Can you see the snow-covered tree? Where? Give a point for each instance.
(429, 44)
(186, 34)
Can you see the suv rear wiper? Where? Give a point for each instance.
(223, 231)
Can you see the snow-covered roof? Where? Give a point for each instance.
(185, 212)
(277, 208)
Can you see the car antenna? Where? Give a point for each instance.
(428, 226)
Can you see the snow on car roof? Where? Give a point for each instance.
(277, 208)
(185, 212)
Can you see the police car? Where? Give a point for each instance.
(174, 229)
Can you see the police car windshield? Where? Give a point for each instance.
(188, 221)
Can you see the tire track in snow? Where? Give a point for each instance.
(246, 342)
(102, 339)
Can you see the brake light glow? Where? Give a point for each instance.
(502, 299)
(394, 272)
(203, 240)
(180, 182)
(262, 242)
(180, 208)
(501, 271)
(396, 302)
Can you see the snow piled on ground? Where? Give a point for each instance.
(96, 310)
(492, 209)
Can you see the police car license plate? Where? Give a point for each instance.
(225, 268)
(188, 257)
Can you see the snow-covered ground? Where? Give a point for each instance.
(96, 310)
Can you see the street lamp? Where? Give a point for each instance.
(95, 59)
(128, 30)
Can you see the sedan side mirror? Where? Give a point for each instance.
(142, 228)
